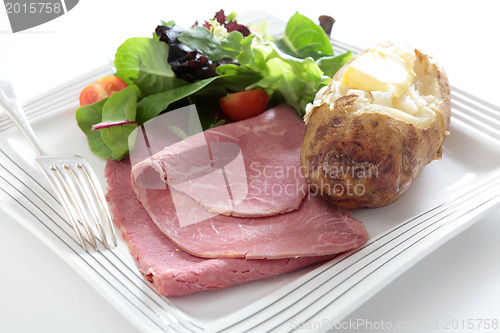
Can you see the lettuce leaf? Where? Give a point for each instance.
(216, 49)
(330, 65)
(303, 38)
(296, 80)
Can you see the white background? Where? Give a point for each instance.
(460, 280)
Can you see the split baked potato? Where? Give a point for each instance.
(374, 128)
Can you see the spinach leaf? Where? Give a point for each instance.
(151, 106)
(121, 106)
(119, 113)
(143, 62)
(86, 117)
(303, 38)
(115, 118)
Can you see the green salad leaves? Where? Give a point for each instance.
(290, 69)
(216, 49)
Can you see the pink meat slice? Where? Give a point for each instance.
(316, 228)
(250, 168)
(172, 271)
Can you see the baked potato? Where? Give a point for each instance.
(382, 118)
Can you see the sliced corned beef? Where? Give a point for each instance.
(172, 271)
(256, 161)
(316, 228)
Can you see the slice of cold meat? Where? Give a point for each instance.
(247, 169)
(172, 271)
(316, 228)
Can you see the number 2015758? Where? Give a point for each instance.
(33, 8)
(471, 324)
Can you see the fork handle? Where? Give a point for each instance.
(14, 110)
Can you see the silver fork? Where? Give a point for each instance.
(71, 178)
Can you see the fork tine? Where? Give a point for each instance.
(79, 190)
(82, 184)
(76, 200)
(66, 203)
(99, 196)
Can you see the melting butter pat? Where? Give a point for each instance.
(378, 70)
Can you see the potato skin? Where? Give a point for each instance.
(368, 159)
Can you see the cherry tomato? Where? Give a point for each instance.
(102, 88)
(244, 104)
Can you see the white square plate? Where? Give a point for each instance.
(448, 196)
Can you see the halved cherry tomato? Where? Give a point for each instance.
(244, 104)
(102, 88)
